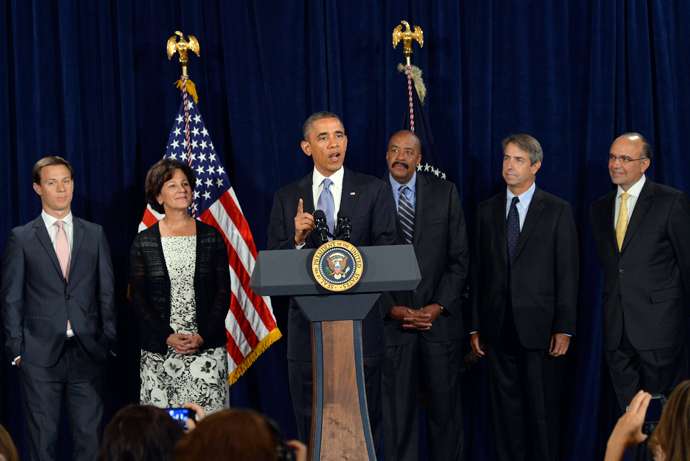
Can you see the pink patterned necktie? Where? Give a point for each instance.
(62, 250)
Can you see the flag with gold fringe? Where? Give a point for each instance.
(250, 324)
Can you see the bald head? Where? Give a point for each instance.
(403, 155)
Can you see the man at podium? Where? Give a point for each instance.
(337, 191)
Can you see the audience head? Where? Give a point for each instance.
(671, 438)
(140, 433)
(8, 452)
(159, 174)
(232, 435)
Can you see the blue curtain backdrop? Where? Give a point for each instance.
(90, 81)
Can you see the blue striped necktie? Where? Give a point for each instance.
(406, 215)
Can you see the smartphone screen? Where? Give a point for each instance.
(653, 415)
(181, 415)
(656, 405)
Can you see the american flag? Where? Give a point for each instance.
(250, 324)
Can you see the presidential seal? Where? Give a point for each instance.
(337, 265)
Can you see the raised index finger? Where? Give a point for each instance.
(300, 207)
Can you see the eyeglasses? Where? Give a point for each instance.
(624, 159)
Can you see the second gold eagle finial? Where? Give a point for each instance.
(407, 36)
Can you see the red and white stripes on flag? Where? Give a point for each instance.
(250, 324)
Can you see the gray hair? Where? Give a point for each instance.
(528, 144)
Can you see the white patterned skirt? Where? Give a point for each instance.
(171, 380)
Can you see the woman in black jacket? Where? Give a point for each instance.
(180, 291)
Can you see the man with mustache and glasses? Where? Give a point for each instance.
(524, 299)
(424, 327)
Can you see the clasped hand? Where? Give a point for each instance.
(184, 343)
(413, 319)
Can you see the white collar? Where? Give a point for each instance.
(336, 178)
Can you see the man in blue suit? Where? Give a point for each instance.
(368, 203)
(58, 315)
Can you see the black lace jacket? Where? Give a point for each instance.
(150, 287)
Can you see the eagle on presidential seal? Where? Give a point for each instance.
(337, 263)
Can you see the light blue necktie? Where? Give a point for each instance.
(326, 204)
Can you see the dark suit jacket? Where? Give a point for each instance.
(440, 244)
(648, 281)
(150, 287)
(31, 277)
(369, 204)
(544, 275)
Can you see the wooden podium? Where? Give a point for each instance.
(340, 422)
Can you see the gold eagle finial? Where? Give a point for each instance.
(407, 36)
(181, 46)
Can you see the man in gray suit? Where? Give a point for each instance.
(58, 315)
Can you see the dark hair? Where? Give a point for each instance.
(646, 147)
(672, 435)
(7, 448)
(527, 143)
(306, 128)
(48, 161)
(139, 433)
(159, 174)
(231, 435)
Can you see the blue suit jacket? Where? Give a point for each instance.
(369, 204)
(37, 301)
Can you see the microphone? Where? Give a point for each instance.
(321, 225)
(344, 226)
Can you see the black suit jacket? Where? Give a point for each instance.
(544, 275)
(32, 279)
(648, 281)
(369, 204)
(440, 244)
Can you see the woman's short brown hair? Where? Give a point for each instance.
(229, 435)
(159, 174)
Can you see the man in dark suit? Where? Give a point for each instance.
(524, 298)
(367, 201)
(58, 315)
(424, 328)
(641, 233)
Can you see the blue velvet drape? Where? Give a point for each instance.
(89, 80)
